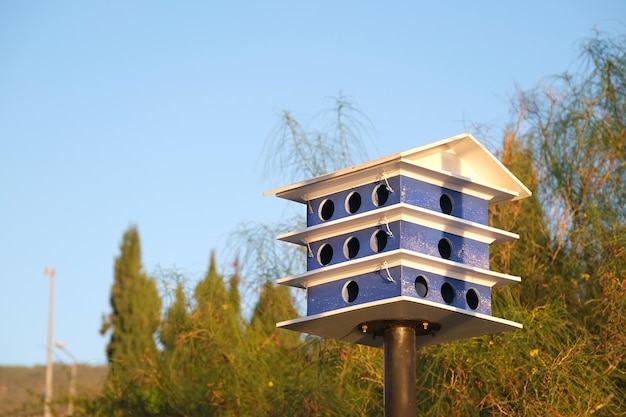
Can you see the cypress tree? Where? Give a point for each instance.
(215, 314)
(201, 350)
(275, 304)
(176, 322)
(133, 322)
(274, 351)
(175, 368)
(234, 297)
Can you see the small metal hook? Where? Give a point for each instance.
(386, 223)
(384, 178)
(388, 277)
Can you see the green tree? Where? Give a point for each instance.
(275, 304)
(532, 256)
(234, 298)
(200, 374)
(272, 350)
(215, 311)
(176, 322)
(577, 129)
(132, 323)
(135, 305)
(218, 325)
(175, 329)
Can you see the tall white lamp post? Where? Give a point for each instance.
(49, 272)
(72, 390)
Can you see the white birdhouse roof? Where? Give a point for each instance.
(459, 163)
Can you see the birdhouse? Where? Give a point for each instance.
(403, 238)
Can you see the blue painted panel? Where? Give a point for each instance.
(406, 190)
(364, 237)
(406, 235)
(340, 201)
(426, 240)
(421, 194)
(376, 286)
(372, 286)
(434, 283)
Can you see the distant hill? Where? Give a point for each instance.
(22, 388)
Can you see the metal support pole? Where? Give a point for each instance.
(48, 399)
(72, 393)
(72, 390)
(399, 351)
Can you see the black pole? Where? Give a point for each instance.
(399, 369)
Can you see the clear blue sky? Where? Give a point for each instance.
(154, 113)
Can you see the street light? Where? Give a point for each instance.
(49, 272)
(72, 391)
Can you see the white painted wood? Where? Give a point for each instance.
(456, 323)
(401, 211)
(460, 163)
(403, 257)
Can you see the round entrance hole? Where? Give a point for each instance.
(350, 291)
(378, 241)
(421, 285)
(327, 209)
(472, 298)
(351, 247)
(325, 254)
(445, 248)
(446, 204)
(380, 195)
(353, 202)
(447, 292)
